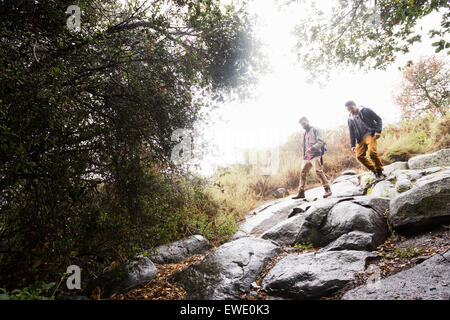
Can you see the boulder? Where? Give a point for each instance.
(400, 165)
(286, 231)
(124, 277)
(425, 205)
(266, 216)
(280, 192)
(228, 272)
(383, 189)
(427, 281)
(324, 224)
(411, 175)
(349, 173)
(180, 250)
(347, 188)
(314, 275)
(439, 158)
(403, 185)
(355, 240)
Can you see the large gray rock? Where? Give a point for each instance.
(266, 216)
(384, 189)
(400, 165)
(124, 277)
(229, 271)
(403, 185)
(180, 250)
(428, 281)
(286, 231)
(355, 240)
(314, 275)
(425, 205)
(280, 192)
(326, 223)
(349, 173)
(439, 158)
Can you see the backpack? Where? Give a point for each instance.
(322, 151)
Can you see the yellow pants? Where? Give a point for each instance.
(306, 166)
(373, 162)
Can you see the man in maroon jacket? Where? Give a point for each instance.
(312, 142)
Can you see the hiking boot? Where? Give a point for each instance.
(327, 192)
(380, 175)
(300, 195)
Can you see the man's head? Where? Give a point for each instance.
(351, 107)
(304, 122)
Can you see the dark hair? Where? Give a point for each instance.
(302, 118)
(350, 103)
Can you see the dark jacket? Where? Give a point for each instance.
(315, 142)
(372, 121)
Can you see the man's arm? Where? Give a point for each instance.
(370, 114)
(319, 141)
(302, 144)
(352, 133)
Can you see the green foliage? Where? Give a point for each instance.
(407, 252)
(86, 123)
(36, 292)
(357, 33)
(303, 246)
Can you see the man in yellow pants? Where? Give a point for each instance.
(312, 142)
(365, 128)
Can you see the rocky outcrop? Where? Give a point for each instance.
(427, 281)
(266, 216)
(314, 275)
(355, 240)
(400, 165)
(280, 192)
(229, 271)
(124, 277)
(325, 223)
(384, 189)
(425, 205)
(286, 231)
(439, 158)
(180, 250)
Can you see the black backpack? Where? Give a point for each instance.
(322, 152)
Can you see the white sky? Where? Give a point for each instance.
(283, 96)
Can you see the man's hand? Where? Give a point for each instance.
(377, 135)
(353, 149)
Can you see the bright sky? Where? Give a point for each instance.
(283, 96)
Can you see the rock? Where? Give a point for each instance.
(355, 240)
(280, 192)
(383, 189)
(286, 231)
(439, 158)
(124, 277)
(349, 172)
(350, 178)
(267, 216)
(324, 224)
(427, 281)
(403, 185)
(410, 175)
(425, 205)
(347, 188)
(180, 250)
(314, 275)
(400, 165)
(228, 272)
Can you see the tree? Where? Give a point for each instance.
(425, 88)
(365, 34)
(86, 115)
